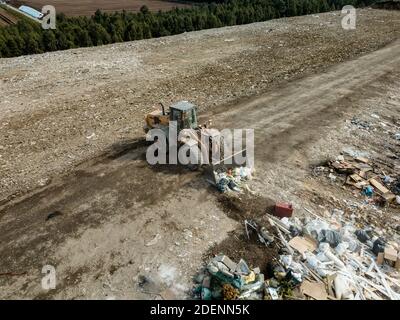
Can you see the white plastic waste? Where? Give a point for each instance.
(286, 260)
(341, 248)
(343, 289)
(314, 227)
(315, 264)
(324, 248)
(245, 173)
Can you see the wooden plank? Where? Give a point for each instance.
(381, 188)
(389, 197)
(362, 159)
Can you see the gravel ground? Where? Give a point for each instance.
(59, 109)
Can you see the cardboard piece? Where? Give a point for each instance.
(390, 254)
(314, 290)
(302, 244)
(380, 258)
(364, 167)
(329, 280)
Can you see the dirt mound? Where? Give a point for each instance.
(238, 245)
(245, 206)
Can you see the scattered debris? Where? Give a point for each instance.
(232, 179)
(315, 290)
(283, 210)
(360, 173)
(225, 279)
(317, 258)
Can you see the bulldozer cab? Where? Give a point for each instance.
(185, 114)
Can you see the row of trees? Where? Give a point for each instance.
(27, 37)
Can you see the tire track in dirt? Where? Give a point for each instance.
(294, 113)
(283, 119)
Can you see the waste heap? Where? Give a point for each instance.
(225, 279)
(319, 258)
(330, 258)
(362, 174)
(232, 179)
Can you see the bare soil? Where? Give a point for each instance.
(78, 194)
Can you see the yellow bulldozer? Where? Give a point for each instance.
(185, 115)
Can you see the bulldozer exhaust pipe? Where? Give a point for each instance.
(163, 109)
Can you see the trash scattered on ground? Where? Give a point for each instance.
(283, 210)
(227, 280)
(362, 174)
(361, 124)
(317, 258)
(232, 179)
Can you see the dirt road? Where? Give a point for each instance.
(60, 109)
(293, 114)
(115, 218)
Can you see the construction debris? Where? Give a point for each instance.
(362, 174)
(319, 258)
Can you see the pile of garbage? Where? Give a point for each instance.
(318, 258)
(232, 179)
(333, 259)
(361, 174)
(227, 280)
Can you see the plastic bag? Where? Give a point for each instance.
(330, 236)
(314, 228)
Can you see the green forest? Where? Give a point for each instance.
(28, 37)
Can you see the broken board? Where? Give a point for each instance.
(302, 244)
(314, 290)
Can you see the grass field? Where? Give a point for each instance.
(88, 7)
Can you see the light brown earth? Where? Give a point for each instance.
(71, 122)
(6, 18)
(89, 7)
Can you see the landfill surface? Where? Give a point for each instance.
(76, 191)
